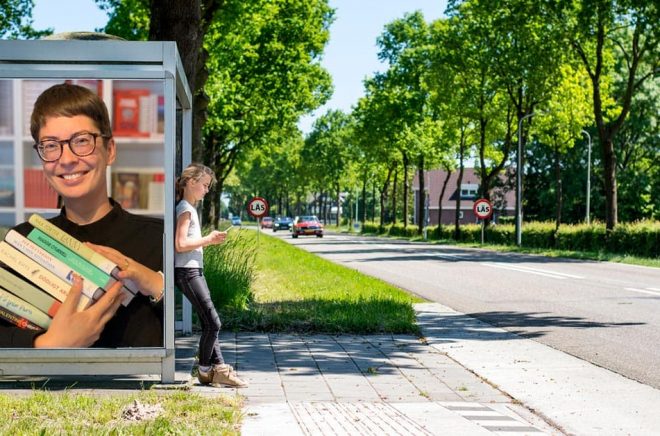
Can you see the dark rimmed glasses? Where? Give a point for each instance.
(81, 144)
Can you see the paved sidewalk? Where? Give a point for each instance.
(365, 385)
(465, 378)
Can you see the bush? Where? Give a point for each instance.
(229, 269)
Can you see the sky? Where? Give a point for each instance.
(350, 56)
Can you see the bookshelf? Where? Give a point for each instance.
(136, 179)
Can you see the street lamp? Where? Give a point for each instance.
(519, 171)
(588, 219)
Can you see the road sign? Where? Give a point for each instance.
(257, 207)
(483, 209)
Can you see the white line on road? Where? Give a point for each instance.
(538, 271)
(645, 291)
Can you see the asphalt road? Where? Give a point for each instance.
(605, 313)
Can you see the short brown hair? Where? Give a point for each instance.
(67, 100)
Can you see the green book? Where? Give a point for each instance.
(23, 309)
(24, 290)
(75, 262)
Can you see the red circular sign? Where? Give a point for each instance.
(257, 207)
(483, 209)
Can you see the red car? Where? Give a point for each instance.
(307, 225)
(266, 222)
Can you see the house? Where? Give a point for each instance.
(503, 199)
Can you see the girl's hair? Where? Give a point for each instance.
(194, 171)
(67, 100)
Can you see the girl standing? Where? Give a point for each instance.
(191, 187)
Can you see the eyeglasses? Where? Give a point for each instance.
(81, 144)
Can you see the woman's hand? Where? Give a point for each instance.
(216, 237)
(148, 281)
(70, 328)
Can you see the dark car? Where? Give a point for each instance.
(282, 223)
(307, 225)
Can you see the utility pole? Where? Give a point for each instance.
(588, 217)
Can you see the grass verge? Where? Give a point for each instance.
(296, 291)
(45, 412)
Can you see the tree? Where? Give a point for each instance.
(16, 21)
(596, 29)
(567, 113)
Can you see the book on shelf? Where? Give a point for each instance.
(28, 292)
(139, 190)
(6, 108)
(98, 260)
(38, 192)
(24, 311)
(7, 194)
(38, 275)
(138, 113)
(59, 261)
(127, 109)
(32, 89)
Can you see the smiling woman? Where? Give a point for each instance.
(73, 139)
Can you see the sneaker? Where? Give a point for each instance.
(226, 376)
(205, 377)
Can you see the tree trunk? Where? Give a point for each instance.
(442, 195)
(338, 205)
(394, 183)
(406, 188)
(421, 204)
(559, 188)
(459, 180)
(363, 209)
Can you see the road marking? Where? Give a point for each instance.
(651, 291)
(538, 271)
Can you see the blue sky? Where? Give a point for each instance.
(350, 56)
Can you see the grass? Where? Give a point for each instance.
(296, 291)
(45, 412)
(570, 254)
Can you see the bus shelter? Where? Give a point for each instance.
(155, 145)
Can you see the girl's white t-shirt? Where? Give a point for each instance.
(193, 258)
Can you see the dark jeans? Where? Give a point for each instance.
(192, 283)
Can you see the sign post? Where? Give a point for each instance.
(483, 209)
(258, 208)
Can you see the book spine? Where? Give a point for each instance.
(38, 275)
(99, 280)
(18, 321)
(19, 287)
(96, 259)
(23, 309)
(56, 266)
(71, 259)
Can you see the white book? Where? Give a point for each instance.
(96, 259)
(38, 274)
(54, 265)
(23, 309)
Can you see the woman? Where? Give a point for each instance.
(73, 137)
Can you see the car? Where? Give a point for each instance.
(267, 222)
(282, 223)
(307, 225)
(236, 220)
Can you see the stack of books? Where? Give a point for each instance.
(37, 270)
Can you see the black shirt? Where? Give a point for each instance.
(140, 323)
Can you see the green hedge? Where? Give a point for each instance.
(637, 239)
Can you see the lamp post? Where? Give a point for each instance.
(519, 170)
(588, 219)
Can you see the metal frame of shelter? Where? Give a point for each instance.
(110, 59)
